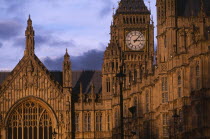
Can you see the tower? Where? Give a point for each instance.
(29, 33)
(67, 73)
(132, 35)
(131, 46)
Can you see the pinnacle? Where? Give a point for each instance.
(29, 33)
(29, 21)
(66, 54)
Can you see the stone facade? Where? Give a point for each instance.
(146, 93)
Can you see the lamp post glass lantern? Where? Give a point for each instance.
(54, 133)
(176, 118)
(121, 77)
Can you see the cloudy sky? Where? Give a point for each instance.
(82, 26)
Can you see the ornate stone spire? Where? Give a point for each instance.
(66, 56)
(132, 6)
(29, 33)
(67, 73)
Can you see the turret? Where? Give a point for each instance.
(81, 93)
(29, 33)
(93, 95)
(67, 72)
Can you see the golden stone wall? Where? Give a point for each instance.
(165, 98)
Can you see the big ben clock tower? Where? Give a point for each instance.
(132, 33)
(131, 45)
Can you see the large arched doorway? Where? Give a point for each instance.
(29, 120)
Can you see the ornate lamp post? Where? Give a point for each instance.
(121, 77)
(1, 123)
(54, 133)
(176, 117)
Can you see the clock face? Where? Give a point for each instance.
(135, 40)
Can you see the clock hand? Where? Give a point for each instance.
(138, 41)
(137, 38)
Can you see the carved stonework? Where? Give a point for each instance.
(163, 67)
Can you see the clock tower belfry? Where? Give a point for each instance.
(132, 26)
(132, 33)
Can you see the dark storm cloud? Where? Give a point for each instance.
(44, 40)
(1, 44)
(53, 64)
(91, 60)
(52, 41)
(9, 29)
(40, 39)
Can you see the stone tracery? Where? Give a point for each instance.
(29, 120)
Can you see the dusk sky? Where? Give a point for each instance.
(82, 26)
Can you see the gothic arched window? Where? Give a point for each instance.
(77, 122)
(135, 75)
(29, 120)
(87, 122)
(165, 121)
(116, 118)
(197, 73)
(147, 101)
(108, 122)
(179, 79)
(108, 85)
(130, 78)
(135, 103)
(98, 121)
(197, 70)
(125, 109)
(164, 89)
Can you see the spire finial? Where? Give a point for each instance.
(29, 20)
(149, 5)
(113, 10)
(29, 33)
(66, 55)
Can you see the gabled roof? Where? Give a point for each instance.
(132, 6)
(7, 77)
(87, 78)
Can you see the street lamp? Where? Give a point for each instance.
(54, 133)
(176, 117)
(121, 77)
